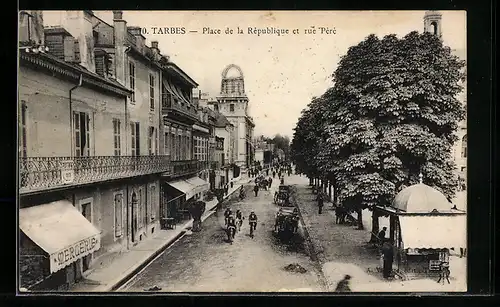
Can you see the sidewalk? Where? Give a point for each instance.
(114, 269)
(343, 249)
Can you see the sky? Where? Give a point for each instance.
(282, 73)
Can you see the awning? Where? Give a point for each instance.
(60, 230)
(199, 184)
(172, 89)
(425, 231)
(190, 187)
(182, 186)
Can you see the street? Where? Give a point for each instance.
(204, 261)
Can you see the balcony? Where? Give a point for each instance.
(44, 173)
(186, 167)
(169, 106)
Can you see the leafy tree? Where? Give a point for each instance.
(390, 115)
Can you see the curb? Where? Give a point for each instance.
(122, 280)
(311, 248)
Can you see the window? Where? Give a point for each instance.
(134, 130)
(151, 92)
(118, 203)
(131, 72)
(231, 107)
(464, 146)
(116, 136)
(142, 210)
(24, 147)
(153, 202)
(152, 141)
(81, 122)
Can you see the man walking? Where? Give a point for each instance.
(256, 190)
(320, 199)
(388, 254)
(381, 235)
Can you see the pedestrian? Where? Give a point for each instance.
(270, 180)
(267, 172)
(462, 252)
(388, 254)
(226, 188)
(381, 236)
(274, 174)
(256, 190)
(320, 199)
(343, 285)
(444, 272)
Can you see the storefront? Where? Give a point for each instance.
(56, 239)
(179, 193)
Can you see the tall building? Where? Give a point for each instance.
(233, 104)
(433, 24)
(95, 103)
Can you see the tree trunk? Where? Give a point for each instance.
(360, 219)
(375, 226)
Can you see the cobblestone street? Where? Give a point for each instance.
(204, 261)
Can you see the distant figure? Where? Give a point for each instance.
(282, 180)
(463, 251)
(320, 199)
(343, 285)
(270, 180)
(256, 190)
(445, 272)
(274, 174)
(388, 252)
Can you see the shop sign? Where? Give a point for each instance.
(72, 253)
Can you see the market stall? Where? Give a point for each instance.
(423, 228)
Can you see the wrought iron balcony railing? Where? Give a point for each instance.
(44, 173)
(185, 167)
(168, 105)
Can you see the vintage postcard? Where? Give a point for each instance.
(242, 151)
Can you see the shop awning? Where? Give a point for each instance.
(60, 230)
(199, 184)
(190, 186)
(439, 231)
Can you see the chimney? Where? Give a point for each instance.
(79, 24)
(120, 28)
(61, 44)
(31, 27)
(140, 39)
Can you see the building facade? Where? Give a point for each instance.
(433, 24)
(105, 142)
(233, 104)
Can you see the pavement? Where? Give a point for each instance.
(114, 269)
(343, 249)
(206, 262)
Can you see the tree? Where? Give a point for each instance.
(390, 115)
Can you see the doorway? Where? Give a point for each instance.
(134, 216)
(87, 213)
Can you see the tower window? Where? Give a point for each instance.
(231, 107)
(464, 146)
(434, 28)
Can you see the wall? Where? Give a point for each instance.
(48, 115)
(103, 211)
(139, 109)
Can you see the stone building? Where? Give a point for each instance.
(233, 104)
(433, 24)
(105, 126)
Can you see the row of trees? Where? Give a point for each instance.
(390, 115)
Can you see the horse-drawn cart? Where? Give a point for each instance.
(282, 196)
(287, 221)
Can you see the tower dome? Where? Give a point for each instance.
(421, 198)
(233, 81)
